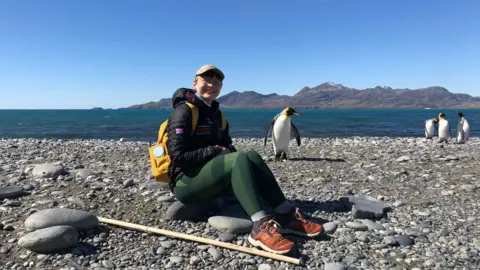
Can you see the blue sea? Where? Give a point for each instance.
(142, 125)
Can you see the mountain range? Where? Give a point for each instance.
(332, 95)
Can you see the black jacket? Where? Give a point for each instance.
(187, 150)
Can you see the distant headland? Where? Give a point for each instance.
(332, 95)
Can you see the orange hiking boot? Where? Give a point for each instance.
(265, 235)
(294, 223)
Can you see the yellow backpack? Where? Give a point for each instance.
(159, 157)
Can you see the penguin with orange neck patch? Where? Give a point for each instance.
(283, 131)
(443, 128)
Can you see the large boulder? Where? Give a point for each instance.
(49, 239)
(61, 216)
(10, 192)
(48, 170)
(366, 207)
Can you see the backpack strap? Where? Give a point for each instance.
(224, 122)
(194, 116)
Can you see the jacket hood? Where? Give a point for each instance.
(183, 95)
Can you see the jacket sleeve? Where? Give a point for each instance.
(227, 140)
(180, 140)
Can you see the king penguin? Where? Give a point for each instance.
(443, 128)
(463, 129)
(283, 131)
(430, 127)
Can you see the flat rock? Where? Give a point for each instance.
(330, 227)
(372, 225)
(84, 173)
(390, 240)
(365, 207)
(356, 226)
(47, 170)
(180, 211)
(405, 240)
(403, 159)
(11, 192)
(335, 266)
(61, 216)
(226, 237)
(166, 198)
(230, 224)
(49, 239)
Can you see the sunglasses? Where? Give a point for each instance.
(211, 77)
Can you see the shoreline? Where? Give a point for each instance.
(240, 139)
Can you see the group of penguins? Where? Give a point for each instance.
(284, 130)
(463, 128)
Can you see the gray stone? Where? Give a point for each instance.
(128, 183)
(165, 199)
(356, 226)
(372, 225)
(61, 216)
(161, 251)
(335, 266)
(180, 211)
(176, 259)
(405, 240)
(108, 264)
(216, 254)
(84, 173)
(468, 187)
(403, 159)
(194, 260)
(230, 224)
(264, 266)
(12, 203)
(47, 170)
(11, 192)
(166, 244)
(226, 237)
(76, 201)
(330, 227)
(365, 207)
(390, 240)
(49, 239)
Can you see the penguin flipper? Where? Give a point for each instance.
(269, 130)
(460, 125)
(295, 133)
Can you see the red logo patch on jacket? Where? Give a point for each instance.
(203, 130)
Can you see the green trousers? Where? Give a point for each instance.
(245, 173)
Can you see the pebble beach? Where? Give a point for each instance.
(386, 203)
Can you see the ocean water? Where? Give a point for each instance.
(142, 125)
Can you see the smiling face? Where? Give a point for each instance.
(208, 85)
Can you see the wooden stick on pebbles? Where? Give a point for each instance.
(253, 251)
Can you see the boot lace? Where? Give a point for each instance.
(299, 216)
(271, 228)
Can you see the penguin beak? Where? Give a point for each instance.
(295, 113)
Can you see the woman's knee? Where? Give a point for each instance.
(241, 156)
(253, 155)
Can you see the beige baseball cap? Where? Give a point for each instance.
(208, 67)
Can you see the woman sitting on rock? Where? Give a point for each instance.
(206, 164)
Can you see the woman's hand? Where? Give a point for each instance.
(223, 150)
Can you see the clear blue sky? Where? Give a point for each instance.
(81, 54)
